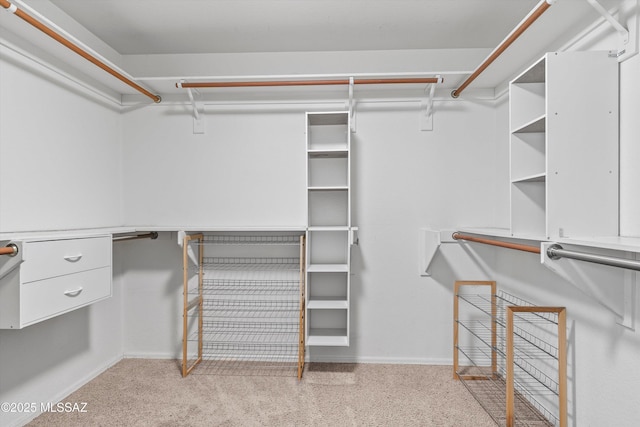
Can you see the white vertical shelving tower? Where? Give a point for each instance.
(564, 146)
(328, 228)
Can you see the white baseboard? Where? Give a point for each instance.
(159, 355)
(326, 359)
(380, 360)
(59, 396)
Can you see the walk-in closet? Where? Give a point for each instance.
(319, 212)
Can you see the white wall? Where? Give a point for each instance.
(152, 297)
(403, 179)
(60, 168)
(60, 164)
(501, 208)
(244, 170)
(47, 361)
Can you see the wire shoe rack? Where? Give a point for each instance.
(244, 304)
(511, 355)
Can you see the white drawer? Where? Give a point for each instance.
(47, 298)
(52, 258)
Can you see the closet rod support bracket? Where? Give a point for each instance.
(198, 122)
(426, 116)
(622, 31)
(352, 105)
(580, 270)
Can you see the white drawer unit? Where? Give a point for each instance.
(54, 258)
(52, 277)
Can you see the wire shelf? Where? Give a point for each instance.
(526, 373)
(504, 300)
(258, 263)
(249, 338)
(243, 359)
(278, 366)
(490, 392)
(250, 287)
(251, 326)
(230, 314)
(225, 239)
(527, 345)
(210, 306)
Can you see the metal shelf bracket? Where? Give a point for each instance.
(589, 278)
(426, 110)
(622, 31)
(352, 106)
(197, 106)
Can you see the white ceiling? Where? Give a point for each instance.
(224, 26)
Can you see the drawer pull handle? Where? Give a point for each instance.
(73, 258)
(73, 293)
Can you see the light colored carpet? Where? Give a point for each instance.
(142, 392)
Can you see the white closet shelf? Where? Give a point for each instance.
(328, 268)
(59, 234)
(84, 232)
(330, 118)
(616, 243)
(337, 152)
(215, 228)
(328, 228)
(251, 240)
(538, 177)
(329, 188)
(328, 303)
(328, 337)
(503, 233)
(538, 124)
(487, 231)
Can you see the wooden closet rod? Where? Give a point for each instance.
(516, 246)
(60, 39)
(309, 82)
(533, 16)
(10, 250)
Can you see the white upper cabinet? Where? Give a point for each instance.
(564, 147)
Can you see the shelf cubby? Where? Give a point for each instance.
(327, 131)
(328, 207)
(528, 208)
(528, 104)
(330, 327)
(328, 171)
(328, 247)
(528, 155)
